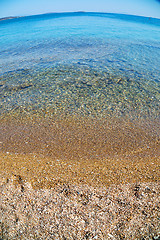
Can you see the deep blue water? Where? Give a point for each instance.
(88, 63)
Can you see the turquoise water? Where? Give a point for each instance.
(87, 63)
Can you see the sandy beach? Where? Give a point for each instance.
(79, 180)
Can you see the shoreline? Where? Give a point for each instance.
(74, 179)
(79, 178)
(8, 18)
(89, 151)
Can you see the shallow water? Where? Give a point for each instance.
(98, 68)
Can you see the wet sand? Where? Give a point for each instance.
(78, 150)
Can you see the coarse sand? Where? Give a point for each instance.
(125, 211)
(79, 179)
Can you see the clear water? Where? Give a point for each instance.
(80, 63)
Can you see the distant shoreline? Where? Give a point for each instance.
(7, 18)
(14, 17)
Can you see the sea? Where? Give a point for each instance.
(93, 71)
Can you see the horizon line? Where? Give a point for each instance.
(41, 14)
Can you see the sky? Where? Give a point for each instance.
(148, 8)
